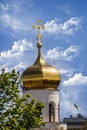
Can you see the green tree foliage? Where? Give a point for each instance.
(14, 113)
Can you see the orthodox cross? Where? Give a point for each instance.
(38, 27)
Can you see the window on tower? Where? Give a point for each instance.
(51, 112)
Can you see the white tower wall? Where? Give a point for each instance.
(46, 96)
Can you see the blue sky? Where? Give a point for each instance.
(64, 43)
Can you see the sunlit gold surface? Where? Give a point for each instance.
(40, 74)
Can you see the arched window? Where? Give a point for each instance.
(51, 112)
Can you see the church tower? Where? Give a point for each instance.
(41, 81)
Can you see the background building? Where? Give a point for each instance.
(76, 123)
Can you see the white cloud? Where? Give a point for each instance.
(77, 80)
(66, 72)
(12, 22)
(67, 54)
(20, 66)
(9, 7)
(52, 54)
(9, 18)
(67, 28)
(18, 55)
(17, 48)
(22, 45)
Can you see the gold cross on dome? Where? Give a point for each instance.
(38, 27)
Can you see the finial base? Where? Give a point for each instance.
(39, 45)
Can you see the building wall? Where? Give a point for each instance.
(46, 96)
(76, 123)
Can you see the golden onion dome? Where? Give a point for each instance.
(40, 75)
